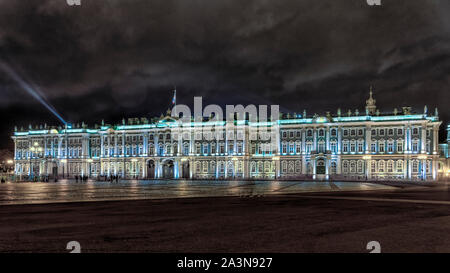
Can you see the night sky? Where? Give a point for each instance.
(110, 59)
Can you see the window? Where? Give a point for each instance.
(415, 166)
(360, 166)
(308, 147)
(298, 134)
(321, 132)
(345, 147)
(333, 146)
(415, 145)
(352, 166)
(352, 146)
(381, 146)
(374, 132)
(399, 131)
(291, 167)
(373, 146)
(309, 133)
(284, 147)
(345, 167)
(239, 147)
(391, 132)
(298, 147)
(253, 148)
(353, 132)
(399, 166)
(360, 146)
(321, 147)
(291, 147)
(373, 166)
(291, 134)
(381, 166)
(333, 132)
(360, 132)
(399, 146)
(390, 166)
(390, 146)
(298, 166)
(381, 132)
(345, 132)
(284, 134)
(415, 131)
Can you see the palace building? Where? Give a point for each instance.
(370, 145)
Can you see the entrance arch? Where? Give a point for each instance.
(168, 169)
(320, 166)
(151, 169)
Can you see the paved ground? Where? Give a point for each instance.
(402, 219)
(69, 191)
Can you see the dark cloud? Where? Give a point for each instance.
(115, 58)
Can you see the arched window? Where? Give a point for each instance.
(185, 148)
(253, 167)
(390, 166)
(352, 166)
(291, 167)
(399, 166)
(284, 166)
(360, 166)
(373, 166)
(298, 166)
(415, 166)
(381, 166)
(161, 150)
(399, 146)
(345, 166)
(260, 166)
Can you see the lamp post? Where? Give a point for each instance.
(9, 168)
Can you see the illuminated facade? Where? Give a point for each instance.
(444, 158)
(369, 145)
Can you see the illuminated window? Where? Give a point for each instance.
(360, 166)
(390, 166)
(345, 147)
(381, 146)
(399, 166)
(415, 166)
(345, 166)
(381, 166)
(399, 146)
